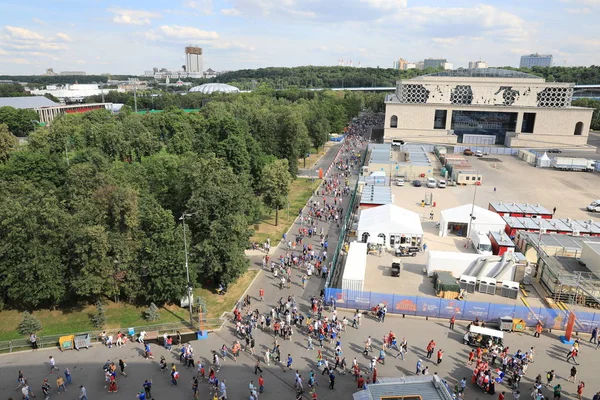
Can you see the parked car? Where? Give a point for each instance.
(396, 267)
(479, 153)
(468, 152)
(400, 182)
(431, 182)
(442, 184)
(554, 151)
(397, 142)
(594, 206)
(403, 251)
(417, 183)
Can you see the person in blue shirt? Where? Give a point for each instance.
(141, 395)
(289, 362)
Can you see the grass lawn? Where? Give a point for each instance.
(121, 315)
(300, 191)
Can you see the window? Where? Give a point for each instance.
(439, 120)
(394, 122)
(483, 123)
(466, 178)
(578, 128)
(528, 123)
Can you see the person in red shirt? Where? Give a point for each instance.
(440, 354)
(471, 357)
(452, 321)
(430, 348)
(374, 375)
(360, 382)
(501, 396)
(261, 384)
(261, 293)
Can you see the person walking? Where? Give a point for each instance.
(261, 384)
(122, 366)
(430, 348)
(572, 354)
(573, 375)
(147, 385)
(174, 377)
(440, 354)
(538, 330)
(112, 386)
(594, 337)
(331, 379)
(46, 388)
(452, 321)
(261, 294)
(580, 389)
(557, 391)
(419, 367)
(257, 366)
(52, 363)
(550, 377)
(82, 393)
(60, 384)
(268, 357)
(33, 339)
(289, 362)
(68, 379)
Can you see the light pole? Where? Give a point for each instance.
(471, 216)
(187, 268)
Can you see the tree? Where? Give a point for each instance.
(99, 317)
(152, 314)
(19, 121)
(275, 181)
(8, 143)
(29, 324)
(293, 141)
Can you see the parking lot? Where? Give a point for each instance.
(514, 181)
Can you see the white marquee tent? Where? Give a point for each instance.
(457, 220)
(390, 225)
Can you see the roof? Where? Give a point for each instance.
(356, 262)
(485, 73)
(558, 240)
(486, 331)
(27, 102)
(593, 246)
(524, 208)
(502, 239)
(426, 387)
(208, 88)
(380, 153)
(375, 194)
(417, 154)
(389, 218)
(462, 214)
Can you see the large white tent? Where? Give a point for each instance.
(457, 220)
(391, 225)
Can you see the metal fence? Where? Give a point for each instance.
(347, 221)
(486, 149)
(461, 309)
(52, 341)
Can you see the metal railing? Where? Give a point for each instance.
(10, 346)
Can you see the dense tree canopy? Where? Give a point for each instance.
(91, 206)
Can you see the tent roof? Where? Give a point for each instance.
(390, 218)
(462, 213)
(545, 157)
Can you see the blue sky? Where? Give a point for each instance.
(130, 37)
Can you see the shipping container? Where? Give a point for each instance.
(353, 277)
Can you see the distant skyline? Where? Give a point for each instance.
(130, 37)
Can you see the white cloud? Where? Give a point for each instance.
(21, 61)
(227, 45)
(53, 46)
(230, 12)
(38, 21)
(386, 5)
(584, 10)
(584, 2)
(16, 32)
(64, 36)
(132, 17)
(182, 32)
(204, 6)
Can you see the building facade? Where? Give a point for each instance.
(400, 64)
(434, 62)
(536, 60)
(477, 64)
(518, 109)
(193, 60)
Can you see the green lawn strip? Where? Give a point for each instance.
(121, 315)
(300, 192)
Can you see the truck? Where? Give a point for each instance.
(572, 164)
(481, 243)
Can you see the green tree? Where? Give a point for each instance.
(293, 140)
(20, 121)
(151, 313)
(275, 181)
(29, 324)
(99, 317)
(8, 143)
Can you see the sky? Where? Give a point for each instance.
(130, 37)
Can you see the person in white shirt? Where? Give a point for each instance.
(141, 337)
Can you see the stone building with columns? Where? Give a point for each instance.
(518, 109)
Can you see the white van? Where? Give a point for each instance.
(431, 182)
(481, 243)
(594, 207)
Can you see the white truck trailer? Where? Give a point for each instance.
(572, 164)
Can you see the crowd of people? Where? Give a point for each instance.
(366, 120)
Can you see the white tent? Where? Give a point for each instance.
(543, 161)
(457, 220)
(393, 224)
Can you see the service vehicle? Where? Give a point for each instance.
(481, 243)
(397, 142)
(483, 337)
(406, 251)
(594, 206)
(396, 267)
(572, 164)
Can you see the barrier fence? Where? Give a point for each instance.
(461, 309)
(9, 346)
(346, 221)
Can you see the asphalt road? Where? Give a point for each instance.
(324, 162)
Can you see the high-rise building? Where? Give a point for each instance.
(193, 60)
(434, 62)
(400, 64)
(536, 60)
(477, 64)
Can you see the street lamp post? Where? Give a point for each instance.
(471, 216)
(187, 269)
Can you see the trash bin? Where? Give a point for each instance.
(506, 324)
(83, 340)
(519, 325)
(66, 342)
